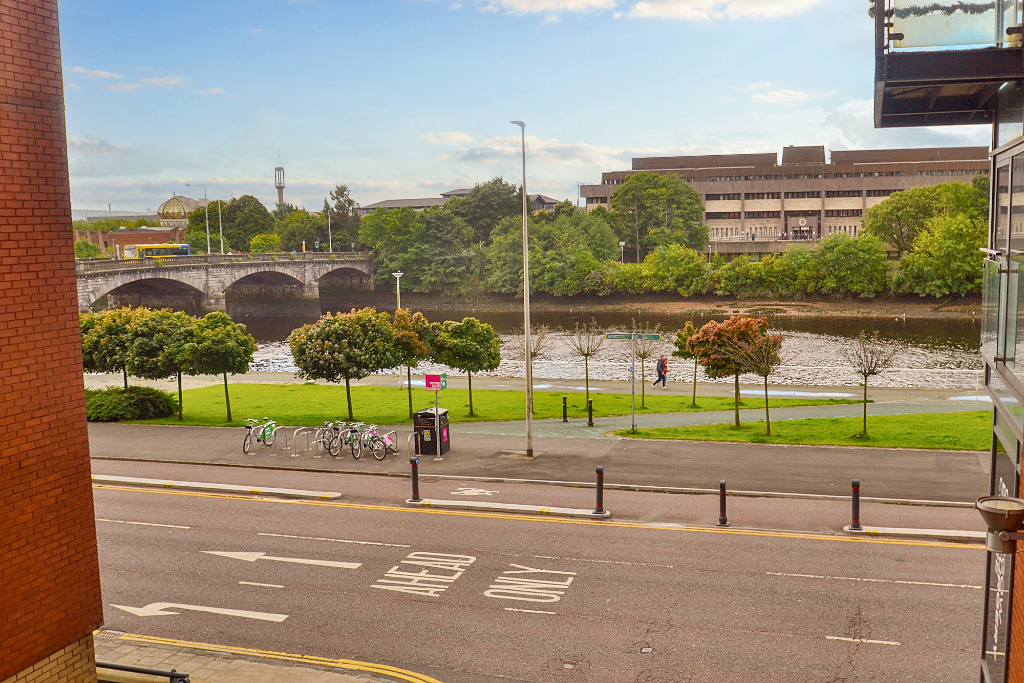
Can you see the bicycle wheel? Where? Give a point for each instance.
(355, 444)
(268, 439)
(377, 448)
(247, 443)
(332, 443)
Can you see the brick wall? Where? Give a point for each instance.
(76, 662)
(48, 562)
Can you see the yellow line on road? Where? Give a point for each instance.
(551, 520)
(350, 664)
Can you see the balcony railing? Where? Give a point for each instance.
(949, 23)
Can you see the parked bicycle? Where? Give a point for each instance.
(351, 435)
(373, 440)
(263, 431)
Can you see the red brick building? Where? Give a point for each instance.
(50, 603)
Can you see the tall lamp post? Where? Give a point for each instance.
(408, 370)
(208, 250)
(622, 252)
(526, 307)
(220, 222)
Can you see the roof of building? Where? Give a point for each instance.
(543, 198)
(808, 154)
(875, 156)
(179, 207)
(461, 192)
(704, 161)
(400, 203)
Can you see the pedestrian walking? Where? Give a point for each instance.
(662, 370)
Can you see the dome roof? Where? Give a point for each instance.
(179, 207)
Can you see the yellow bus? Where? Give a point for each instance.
(137, 251)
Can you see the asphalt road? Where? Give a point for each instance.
(474, 597)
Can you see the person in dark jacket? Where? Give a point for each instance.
(662, 370)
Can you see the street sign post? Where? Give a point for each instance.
(436, 383)
(632, 337)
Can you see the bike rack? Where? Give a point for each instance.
(409, 446)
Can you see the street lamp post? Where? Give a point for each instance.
(408, 370)
(622, 252)
(526, 307)
(207, 207)
(220, 222)
(330, 242)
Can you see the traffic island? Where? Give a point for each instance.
(218, 488)
(513, 508)
(959, 536)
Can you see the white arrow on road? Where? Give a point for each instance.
(159, 609)
(252, 557)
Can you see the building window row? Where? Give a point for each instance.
(880, 193)
(807, 194)
(843, 213)
(712, 215)
(954, 171)
(723, 178)
(721, 197)
(868, 174)
(763, 195)
(832, 194)
(762, 214)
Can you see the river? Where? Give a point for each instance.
(936, 353)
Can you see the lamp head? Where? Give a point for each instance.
(521, 124)
(1003, 516)
(398, 274)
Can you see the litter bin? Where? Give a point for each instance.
(426, 438)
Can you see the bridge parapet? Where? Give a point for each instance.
(109, 265)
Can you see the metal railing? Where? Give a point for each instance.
(172, 675)
(106, 265)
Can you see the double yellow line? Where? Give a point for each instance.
(349, 664)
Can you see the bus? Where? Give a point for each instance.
(137, 251)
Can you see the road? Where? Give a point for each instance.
(468, 597)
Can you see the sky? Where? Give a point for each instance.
(411, 98)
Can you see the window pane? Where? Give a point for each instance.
(925, 23)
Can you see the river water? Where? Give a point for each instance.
(936, 353)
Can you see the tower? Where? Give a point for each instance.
(279, 183)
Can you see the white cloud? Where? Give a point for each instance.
(708, 10)
(552, 7)
(779, 97)
(548, 151)
(158, 82)
(456, 5)
(211, 91)
(851, 126)
(89, 74)
(454, 137)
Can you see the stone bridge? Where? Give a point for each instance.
(206, 277)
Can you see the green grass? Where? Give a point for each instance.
(310, 404)
(948, 431)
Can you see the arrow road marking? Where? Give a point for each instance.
(158, 609)
(252, 557)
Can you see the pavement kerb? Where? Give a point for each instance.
(225, 488)
(933, 534)
(508, 507)
(569, 484)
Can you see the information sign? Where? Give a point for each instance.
(637, 335)
(436, 382)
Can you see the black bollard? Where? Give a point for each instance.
(565, 409)
(590, 412)
(855, 498)
(599, 510)
(415, 462)
(722, 519)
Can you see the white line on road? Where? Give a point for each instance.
(265, 585)
(157, 609)
(336, 540)
(862, 640)
(578, 559)
(528, 611)
(121, 521)
(856, 578)
(252, 557)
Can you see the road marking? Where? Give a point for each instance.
(528, 611)
(424, 581)
(265, 585)
(252, 557)
(894, 581)
(794, 535)
(336, 540)
(862, 640)
(579, 559)
(512, 586)
(350, 664)
(465, 491)
(159, 609)
(121, 521)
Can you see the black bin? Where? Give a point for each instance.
(426, 438)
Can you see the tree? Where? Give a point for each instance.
(852, 265)
(714, 346)
(107, 339)
(486, 205)
(653, 210)
(470, 346)
(345, 346)
(675, 268)
(870, 356)
(159, 346)
(409, 343)
(586, 341)
(265, 244)
(195, 233)
(681, 351)
(760, 356)
(298, 227)
(220, 346)
(946, 259)
(244, 218)
(538, 342)
(344, 217)
(899, 218)
(644, 349)
(87, 249)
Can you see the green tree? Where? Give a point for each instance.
(486, 205)
(107, 339)
(945, 259)
(159, 346)
(852, 265)
(244, 218)
(269, 243)
(714, 346)
(469, 345)
(220, 346)
(298, 227)
(653, 210)
(345, 346)
(344, 218)
(681, 351)
(87, 249)
(903, 215)
(675, 268)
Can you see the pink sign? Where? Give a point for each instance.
(433, 382)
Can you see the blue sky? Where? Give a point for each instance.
(409, 98)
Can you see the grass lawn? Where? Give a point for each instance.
(949, 431)
(311, 404)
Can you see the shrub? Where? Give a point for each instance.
(135, 403)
